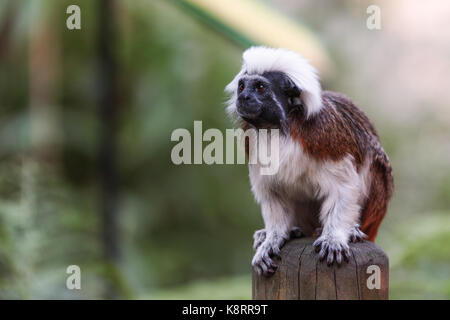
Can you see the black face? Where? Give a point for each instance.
(265, 100)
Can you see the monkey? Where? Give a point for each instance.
(334, 179)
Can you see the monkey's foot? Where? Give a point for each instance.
(356, 235)
(260, 235)
(270, 248)
(332, 249)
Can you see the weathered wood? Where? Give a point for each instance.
(301, 276)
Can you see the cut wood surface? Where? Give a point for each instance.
(302, 276)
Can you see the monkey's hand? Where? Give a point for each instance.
(268, 246)
(332, 248)
(268, 250)
(260, 235)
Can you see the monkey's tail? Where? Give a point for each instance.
(381, 189)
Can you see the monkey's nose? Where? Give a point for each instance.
(244, 97)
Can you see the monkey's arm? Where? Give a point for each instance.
(279, 227)
(278, 224)
(339, 214)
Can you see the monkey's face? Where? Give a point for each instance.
(265, 100)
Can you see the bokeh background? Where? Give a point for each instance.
(86, 118)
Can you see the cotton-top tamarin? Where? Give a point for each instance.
(333, 174)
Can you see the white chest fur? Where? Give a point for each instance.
(299, 175)
(293, 176)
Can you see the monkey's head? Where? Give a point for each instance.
(270, 84)
(265, 100)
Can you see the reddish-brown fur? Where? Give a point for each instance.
(375, 207)
(339, 129)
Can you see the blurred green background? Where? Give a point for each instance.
(85, 123)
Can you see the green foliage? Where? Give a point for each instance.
(420, 268)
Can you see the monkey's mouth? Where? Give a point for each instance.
(252, 119)
(248, 113)
(258, 122)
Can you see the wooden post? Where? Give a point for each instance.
(301, 276)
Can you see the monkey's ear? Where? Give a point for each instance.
(290, 89)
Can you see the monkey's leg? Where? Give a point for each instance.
(278, 224)
(339, 214)
(260, 235)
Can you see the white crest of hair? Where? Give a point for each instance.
(258, 60)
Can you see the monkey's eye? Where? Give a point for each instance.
(241, 87)
(260, 87)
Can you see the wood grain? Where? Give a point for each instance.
(301, 276)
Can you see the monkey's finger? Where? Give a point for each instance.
(263, 267)
(346, 254)
(271, 270)
(267, 262)
(266, 257)
(257, 244)
(273, 266)
(258, 269)
(323, 253)
(268, 267)
(330, 258)
(338, 257)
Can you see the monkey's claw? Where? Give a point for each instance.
(332, 250)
